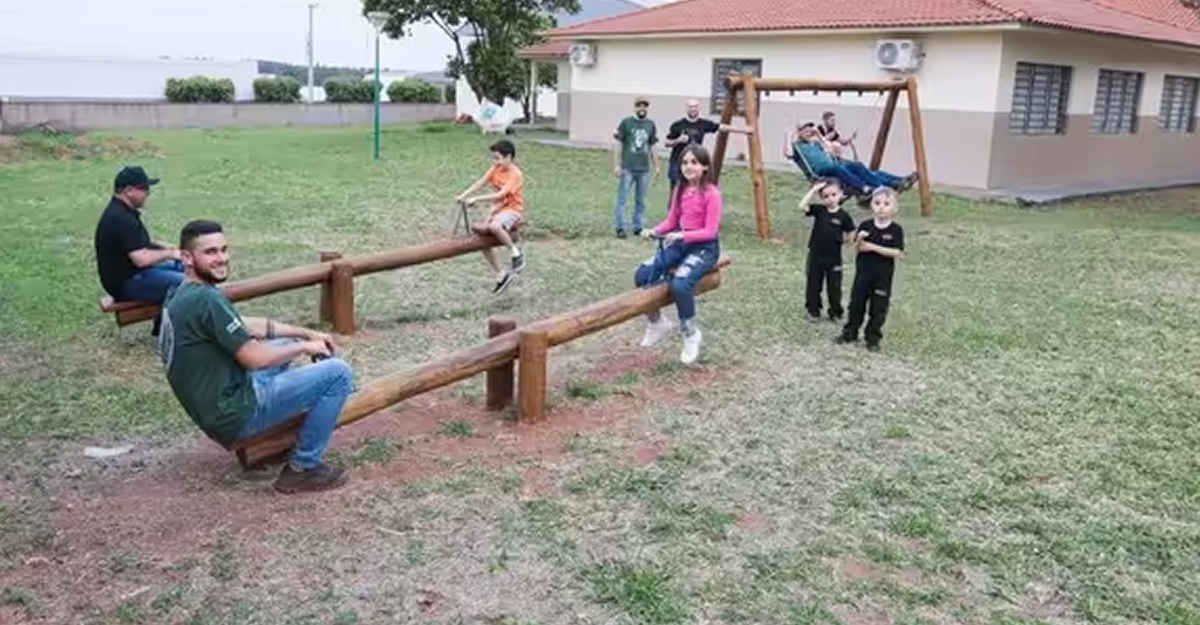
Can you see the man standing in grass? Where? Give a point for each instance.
(232, 374)
(687, 130)
(633, 157)
(132, 267)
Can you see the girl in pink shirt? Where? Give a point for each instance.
(690, 231)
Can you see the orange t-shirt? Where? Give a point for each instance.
(510, 183)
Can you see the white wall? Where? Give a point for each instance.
(47, 76)
(958, 73)
(467, 103)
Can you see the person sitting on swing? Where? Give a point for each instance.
(812, 154)
(837, 143)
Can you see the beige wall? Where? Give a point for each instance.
(1080, 157)
(958, 90)
(562, 121)
(99, 115)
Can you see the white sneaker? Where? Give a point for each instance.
(656, 330)
(691, 348)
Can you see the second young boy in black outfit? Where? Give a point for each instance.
(879, 242)
(832, 228)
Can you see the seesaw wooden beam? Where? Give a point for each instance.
(495, 353)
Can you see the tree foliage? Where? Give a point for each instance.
(200, 89)
(414, 90)
(487, 35)
(281, 89)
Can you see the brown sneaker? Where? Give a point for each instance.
(318, 478)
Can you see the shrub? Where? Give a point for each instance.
(349, 90)
(281, 89)
(413, 90)
(200, 89)
(450, 92)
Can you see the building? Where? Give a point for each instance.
(1031, 97)
(45, 76)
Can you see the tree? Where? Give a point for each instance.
(487, 35)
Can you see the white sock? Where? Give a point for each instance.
(516, 251)
(501, 274)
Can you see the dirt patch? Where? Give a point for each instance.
(1045, 603)
(64, 146)
(853, 615)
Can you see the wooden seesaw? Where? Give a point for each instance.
(334, 273)
(529, 345)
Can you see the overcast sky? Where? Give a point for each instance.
(262, 29)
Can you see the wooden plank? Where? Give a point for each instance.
(500, 379)
(802, 84)
(885, 128)
(758, 180)
(341, 288)
(396, 387)
(325, 312)
(532, 351)
(918, 139)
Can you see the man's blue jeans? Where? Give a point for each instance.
(691, 261)
(640, 182)
(152, 283)
(282, 392)
(855, 176)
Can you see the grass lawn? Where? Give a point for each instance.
(1024, 449)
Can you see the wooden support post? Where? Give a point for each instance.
(326, 305)
(918, 139)
(885, 128)
(341, 288)
(500, 377)
(532, 351)
(757, 179)
(727, 113)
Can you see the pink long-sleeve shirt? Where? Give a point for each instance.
(697, 213)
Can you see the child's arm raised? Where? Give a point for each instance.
(806, 202)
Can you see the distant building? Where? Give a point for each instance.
(45, 76)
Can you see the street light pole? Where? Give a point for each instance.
(311, 6)
(378, 20)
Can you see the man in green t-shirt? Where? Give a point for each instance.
(633, 158)
(232, 375)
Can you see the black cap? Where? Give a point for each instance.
(133, 177)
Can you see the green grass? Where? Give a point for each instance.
(1022, 451)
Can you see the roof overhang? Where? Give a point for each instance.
(807, 32)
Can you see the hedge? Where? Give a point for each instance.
(200, 89)
(414, 90)
(281, 89)
(349, 90)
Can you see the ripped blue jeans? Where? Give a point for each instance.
(692, 261)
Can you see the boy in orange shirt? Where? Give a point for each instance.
(508, 204)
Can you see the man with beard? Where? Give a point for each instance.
(632, 159)
(688, 130)
(232, 375)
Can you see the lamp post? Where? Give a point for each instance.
(378, 19)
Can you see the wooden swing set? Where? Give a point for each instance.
(751, 87)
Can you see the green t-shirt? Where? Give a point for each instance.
(199, 335)
(637, 136)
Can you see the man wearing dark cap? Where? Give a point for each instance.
(633, 158)
(132, 267)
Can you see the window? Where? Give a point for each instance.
(722, 68)
(1039, 101)
(1117, 95)
(1177, 113)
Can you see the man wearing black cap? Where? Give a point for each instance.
(132, 267)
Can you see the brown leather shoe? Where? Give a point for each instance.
(319, 478)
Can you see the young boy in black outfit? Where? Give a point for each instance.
(879, 242)
(830, 231)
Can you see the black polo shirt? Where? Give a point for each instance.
(119, 232)
(695, 131)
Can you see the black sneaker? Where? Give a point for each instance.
(518, 263)
(872, 347)
(620, 233)
(319, 478)
(814, 317)
(637, 232)
(503, 283)
(835, 318)
(842, 339)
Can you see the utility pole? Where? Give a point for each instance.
(311, 6)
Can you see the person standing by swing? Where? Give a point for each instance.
(689, 129)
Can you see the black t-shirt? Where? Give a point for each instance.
(892, 236)
(829, 133)
(119, 232)
(694, 130)
(828, 231)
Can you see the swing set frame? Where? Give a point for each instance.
(753, 87)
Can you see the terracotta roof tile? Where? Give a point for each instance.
(548, 49)
(1159, 20)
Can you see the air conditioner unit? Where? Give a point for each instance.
(583, 54)
(898, 55)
